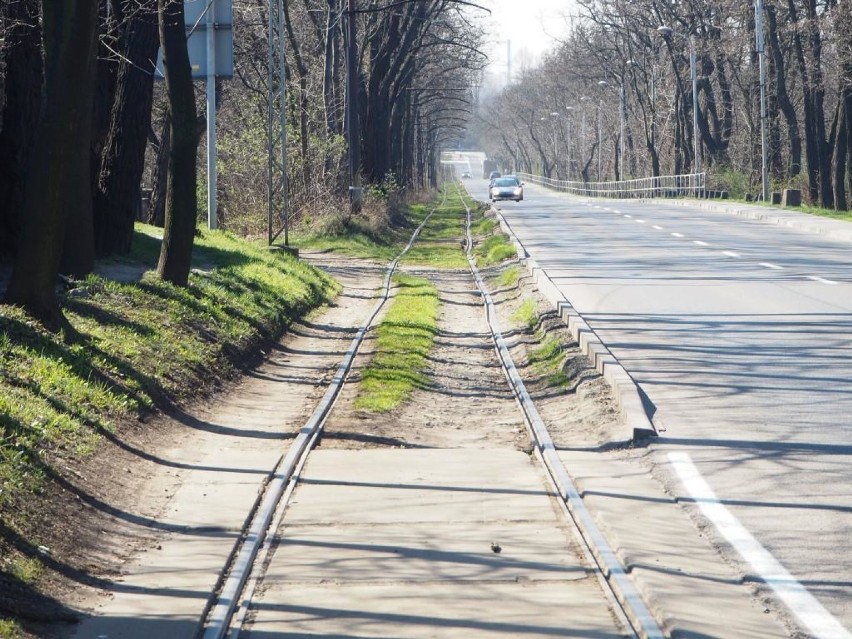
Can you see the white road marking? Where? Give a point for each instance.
(678, 234)
(821, 280)
(627, 215)
(700, 243)
(771, 265)
(731, 254)
(640, 221)
(803, 604)
(659, 228)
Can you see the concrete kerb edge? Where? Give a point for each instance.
(624, 388)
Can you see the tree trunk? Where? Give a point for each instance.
(840, 153)
(23, 92)
(181, 203)
(119, 183)
(156, 214)
(62, 143)
(793, 134)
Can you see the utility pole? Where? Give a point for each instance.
(212, 178)
(759, 43)
(353, 132)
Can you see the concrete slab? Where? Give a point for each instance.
(401, 543)
(676, 570)
(433, 552)
(420, 611)
(419, 485)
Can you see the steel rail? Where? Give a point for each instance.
(217, 617)
(616, 577)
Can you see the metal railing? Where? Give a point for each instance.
(691, 184)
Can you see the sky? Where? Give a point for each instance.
(532, 26)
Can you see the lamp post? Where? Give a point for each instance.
(667, 32)
(759, 45)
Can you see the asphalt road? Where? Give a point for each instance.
(739, 333)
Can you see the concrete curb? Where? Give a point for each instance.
(624, 388)
(826, 227)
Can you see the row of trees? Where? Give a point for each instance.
(85, 126)
(618, 71)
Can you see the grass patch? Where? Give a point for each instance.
(526, 314)
(356, 237)
(404, 339)
(141, 344)
(9, 629)
(494, 250)
(546, 361)
(509, 277)
(439, 243)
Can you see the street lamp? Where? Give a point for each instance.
(667, 32)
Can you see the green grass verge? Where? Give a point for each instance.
(509, 277)
(439, 243)
(141, 344)
(404, 339)
(546, 361)
(526, 314)
(494, 250)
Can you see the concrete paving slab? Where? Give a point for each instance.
(419, 485)
(431, 611)
(433, 552)
(675, 568)
(401, 543)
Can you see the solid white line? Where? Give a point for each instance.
(659, 228)
(803, 604)
(770, 265)
(822, 280)
(700, 243)
(731, 254)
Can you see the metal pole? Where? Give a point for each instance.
(621, 118)
(600, 100)
(694, 73)
(282, 122)
(212, 204)
(568, 142)
(353, 134)
(759, 42)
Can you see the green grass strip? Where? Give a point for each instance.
(404, 339)
(142, 344)
(547, 362)
(439, 244)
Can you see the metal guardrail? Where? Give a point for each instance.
(693, 184)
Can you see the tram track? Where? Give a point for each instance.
(225, 615)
